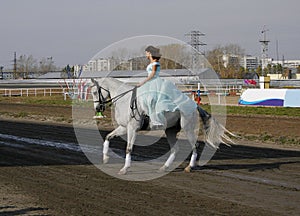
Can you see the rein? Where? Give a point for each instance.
(103, 101)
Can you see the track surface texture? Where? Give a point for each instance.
(248, 178)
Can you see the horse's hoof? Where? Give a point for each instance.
(163, 169)
(105, 159)
(188, 169)
(123, 171)
(98, 117)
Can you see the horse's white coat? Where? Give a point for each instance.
(129, 125)
(170, 159)
(193, 159)
(105, 151)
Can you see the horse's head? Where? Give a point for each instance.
(100, 95)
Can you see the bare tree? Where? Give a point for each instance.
(25, 66)
(232, 69)
(46, 65)
(28, 65)
(174, 56)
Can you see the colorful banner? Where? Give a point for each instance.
(271, 97)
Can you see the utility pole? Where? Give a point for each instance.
(15, 65)
(277, 58)
(1, 69)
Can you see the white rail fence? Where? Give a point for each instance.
(10, 92)
(27, 92)
(84, 93)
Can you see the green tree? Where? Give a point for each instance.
(68, 72)
(241, 72)
(277, 69)
(268, 69)
(259, 70)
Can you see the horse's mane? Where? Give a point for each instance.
(114, 83)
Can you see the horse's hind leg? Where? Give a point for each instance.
(117, 132)
(192, 161)
(190, 126)
(172, 139)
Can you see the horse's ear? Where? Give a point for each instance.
(95, 82)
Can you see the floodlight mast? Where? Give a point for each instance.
(264, 49)
(195, 40)
(196, 43)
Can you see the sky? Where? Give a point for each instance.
(73, 31)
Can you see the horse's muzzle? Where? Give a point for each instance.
(100, 107)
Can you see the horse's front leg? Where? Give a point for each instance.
(119, 131)
(131, 137)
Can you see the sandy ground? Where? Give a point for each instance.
(250, 178)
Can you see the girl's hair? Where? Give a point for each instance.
(156, 58)
(154, 52)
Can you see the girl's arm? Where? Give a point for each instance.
(154, 67)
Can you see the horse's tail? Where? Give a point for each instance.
(215, 133)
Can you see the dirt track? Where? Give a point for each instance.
(241, 180)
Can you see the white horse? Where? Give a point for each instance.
(130, 120)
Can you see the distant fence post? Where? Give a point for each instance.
(65, 94)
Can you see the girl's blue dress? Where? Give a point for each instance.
(160, 95)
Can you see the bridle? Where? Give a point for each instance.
(103, 101)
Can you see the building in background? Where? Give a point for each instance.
(230, 59)
(101, 65)
(249, 62)
(288, 63)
